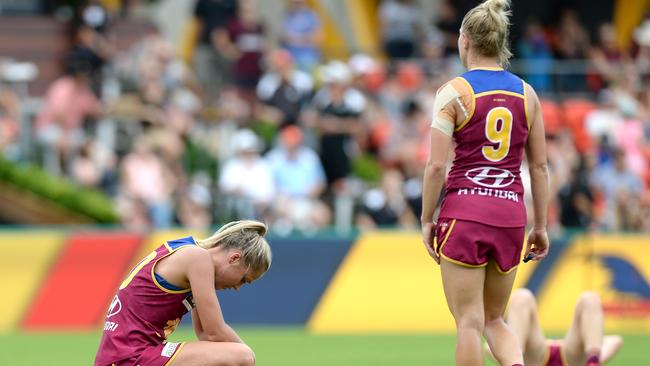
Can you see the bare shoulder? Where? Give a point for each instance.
(192, 254)
(530, 91)
(460, 85)
(185, 258)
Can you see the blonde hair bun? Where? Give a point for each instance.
(487, 27)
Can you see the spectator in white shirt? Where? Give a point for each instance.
(246, 179)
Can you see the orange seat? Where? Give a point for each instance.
(575, 112)
(551, 115)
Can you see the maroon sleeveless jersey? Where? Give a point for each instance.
(484, 184)
(144, 311)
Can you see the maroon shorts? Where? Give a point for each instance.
(472, 244)
(555, 356)
(161, 355)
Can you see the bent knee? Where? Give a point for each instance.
(243, 356)
(522, 297)
(589, 298)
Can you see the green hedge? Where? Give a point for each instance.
(87, 202)
(367, 168)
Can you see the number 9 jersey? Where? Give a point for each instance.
(484, 184)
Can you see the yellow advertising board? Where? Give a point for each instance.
(25, 260)
(387, 283)
(613, 266)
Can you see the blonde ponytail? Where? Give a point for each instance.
(487, 26)
(247, 236)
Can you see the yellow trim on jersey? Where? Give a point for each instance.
(498, 91)
(153, 273)
(137, 268)
(528, 120)
(153, 277)
(511, 269)
(178, 350)
(461, 263)
(471, 113)
(487, 68)
(444, 241)
(504, 272)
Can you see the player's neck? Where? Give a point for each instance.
(489, 63)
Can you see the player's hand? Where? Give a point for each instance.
(538, 244)
(428, 231)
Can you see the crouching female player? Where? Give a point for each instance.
(178, 277)
(584, 343)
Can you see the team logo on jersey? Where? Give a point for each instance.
(490, 177)
(116, 307)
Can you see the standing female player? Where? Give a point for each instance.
(181, 276)
(492, 116)
(584, 343)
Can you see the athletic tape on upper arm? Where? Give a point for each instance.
(445, 95)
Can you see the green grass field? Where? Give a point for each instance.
(283, 347)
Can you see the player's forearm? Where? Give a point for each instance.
(434, 176)
(539, 183)
(196, 324)
(223, 333)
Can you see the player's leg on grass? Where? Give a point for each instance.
(502, 340)
(521, 317)
(202, 353)
(611, 345)
(464, 292)
(584, 339)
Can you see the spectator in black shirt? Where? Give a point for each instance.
(283, 89)
(212, 68)
(576, 199)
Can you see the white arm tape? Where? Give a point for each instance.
(444, 126)
(444, 96)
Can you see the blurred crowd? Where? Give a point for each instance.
(252, 128)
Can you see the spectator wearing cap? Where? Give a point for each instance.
(300, 180)
(339, 109)
(283, 90)
(386, 205)
(246, 181)
(369, 74)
